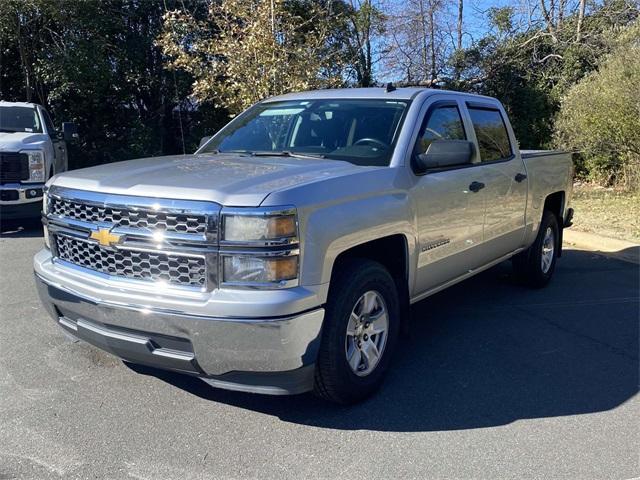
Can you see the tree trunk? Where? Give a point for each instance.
(460, 8)
(24, 62)
(580, 19)
(547, 17)
(425, 47)
(433, 42)
(561, 7)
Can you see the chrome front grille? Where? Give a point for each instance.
(162, 267)
(173, 242)
(125, 217)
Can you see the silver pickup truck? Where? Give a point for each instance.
(283, 255)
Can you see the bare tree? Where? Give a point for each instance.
(418, 42)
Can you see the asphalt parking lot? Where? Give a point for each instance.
(494, 381)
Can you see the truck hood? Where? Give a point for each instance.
(227, 179)
(16, 141)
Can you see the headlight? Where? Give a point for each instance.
(249, 269)
(259, 247)
(36, 165)
(259, 227)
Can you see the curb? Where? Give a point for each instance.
(610, 247)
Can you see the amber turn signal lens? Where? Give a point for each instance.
(284, 268)
(279, 227)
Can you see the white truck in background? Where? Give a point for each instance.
(31, 152)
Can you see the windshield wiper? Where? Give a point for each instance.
(286, 153)
(217, 152)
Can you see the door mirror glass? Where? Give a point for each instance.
(204, 140)
(69, 131)
(445, 153)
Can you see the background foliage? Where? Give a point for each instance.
(256, 49)
(143, 77)
(600, 115)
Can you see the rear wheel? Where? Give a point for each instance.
(535, 266)
(359, 333)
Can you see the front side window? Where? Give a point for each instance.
(19, 119)
(362, 132)
(444, 123)
(491, 133)
(48, 123)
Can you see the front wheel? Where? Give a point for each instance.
(359, 333)
(535, 266)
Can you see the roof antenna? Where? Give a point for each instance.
(390, 87)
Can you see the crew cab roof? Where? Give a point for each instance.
(4, 103)
(378, 93)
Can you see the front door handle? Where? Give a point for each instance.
(520, 177)
(476, 186)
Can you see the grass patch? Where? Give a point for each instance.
(607, 211)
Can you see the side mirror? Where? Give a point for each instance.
(445, 153)
(69, 131)
(204, 140)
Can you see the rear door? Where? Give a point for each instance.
(450, 215)
(504, 177)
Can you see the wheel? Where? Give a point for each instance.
(362, 320)
(535, 266)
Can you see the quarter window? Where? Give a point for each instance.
(491, 133)
(444, 123)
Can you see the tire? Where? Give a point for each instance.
(357, 284)
(528, 265)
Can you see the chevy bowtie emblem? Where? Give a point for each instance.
(105, 237)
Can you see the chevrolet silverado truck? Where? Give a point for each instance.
(282, 257)
(31, 152)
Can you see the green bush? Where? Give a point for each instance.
(600, 117)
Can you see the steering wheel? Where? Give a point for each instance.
(374, 141)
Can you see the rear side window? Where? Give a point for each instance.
(491, 132)
(444, 123)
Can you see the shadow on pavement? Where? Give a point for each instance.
(27, 228)
(488, 352)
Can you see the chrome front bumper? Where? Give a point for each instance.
(273, 355)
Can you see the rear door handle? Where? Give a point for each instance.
(520, 177)
(476, 186)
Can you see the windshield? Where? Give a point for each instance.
(362, 132)
(19, 119)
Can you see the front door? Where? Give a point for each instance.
(450, 212)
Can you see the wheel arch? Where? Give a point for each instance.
(555, 203)
(392, 252)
